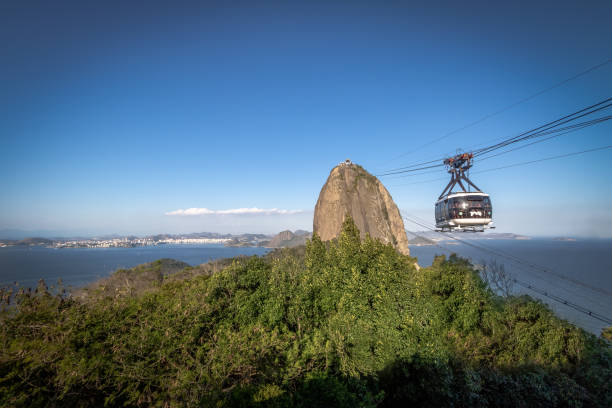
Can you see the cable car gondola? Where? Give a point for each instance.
(462, 210)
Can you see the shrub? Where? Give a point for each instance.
(346, 323)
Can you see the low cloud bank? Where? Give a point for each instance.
(233, 211)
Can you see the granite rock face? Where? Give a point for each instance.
(350, 189)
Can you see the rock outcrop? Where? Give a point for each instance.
(288, 239)
(352, 190)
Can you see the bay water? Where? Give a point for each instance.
(81, 266)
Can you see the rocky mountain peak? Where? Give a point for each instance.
(350, 189)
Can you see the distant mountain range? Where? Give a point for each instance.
(283, 239)
(288, 239)
(34, 241)
(420, 241)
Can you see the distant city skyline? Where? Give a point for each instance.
(126, 119)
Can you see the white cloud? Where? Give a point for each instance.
(234, 211)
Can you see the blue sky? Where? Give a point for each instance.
(114, 115)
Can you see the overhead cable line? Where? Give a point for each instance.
(422, 181)
(546, 293)
(523, 262)
(518, 264)
(555, 134)
(521, 283)
(418, 164)
(550, 125)
(411, 170)
(509, 166)
(506, 108)
(542, 292)
(543, 130)
(415, 174)
(566, 302)
(545, 159)
(540, 130)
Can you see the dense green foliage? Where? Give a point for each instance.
(351, 323)
(607, 333)
(133, 281)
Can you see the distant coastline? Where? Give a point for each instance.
(283, 239)
(427, 238)
(116, 242)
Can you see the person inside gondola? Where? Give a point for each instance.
(456, 209)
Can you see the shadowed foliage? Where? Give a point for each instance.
(350, 323)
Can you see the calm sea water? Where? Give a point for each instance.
(589, 262)
(586, 261)
(80, 266)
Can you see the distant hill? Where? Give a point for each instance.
(133, 281)
(288, 239)
(248, 240)
(420, 241)
(34, 242)
(147, 276)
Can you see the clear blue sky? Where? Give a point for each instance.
(115, 114)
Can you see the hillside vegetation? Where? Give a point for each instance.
(350, 323)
